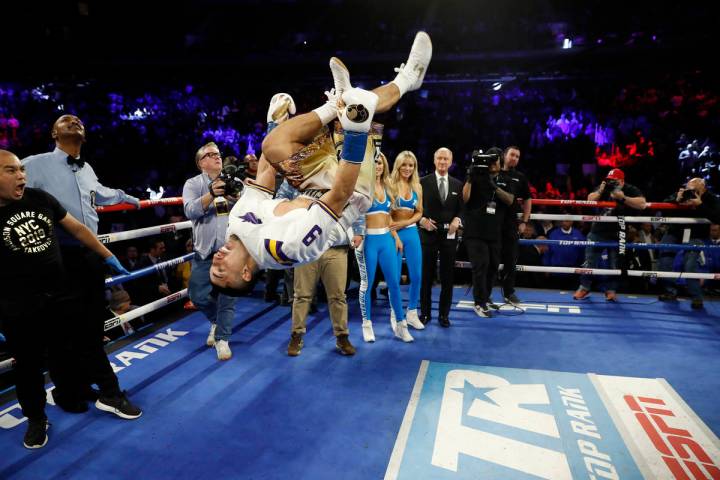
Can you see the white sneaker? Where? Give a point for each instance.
(401, 332)
(482, 311)
(210, 342)
(359, 110)
(341, 76)
(368, 334)
(281, 107)
(393, 320)
(412, 73)
(223, 350)
(413, 320)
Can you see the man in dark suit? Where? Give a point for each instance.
(442, 209)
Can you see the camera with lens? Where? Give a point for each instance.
(233, 174)
(610, 186)
(480, 162)
(688, 194)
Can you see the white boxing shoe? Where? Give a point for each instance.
(281, 107)
(401, 332)
(367, 330)
(341, 76)
(393, 320)
(210, 341)
(223, 350)
(357, 114)
(412, 73)
(413, 320)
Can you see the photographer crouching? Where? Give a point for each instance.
(488, 200)
(704, 205)
(613, 188)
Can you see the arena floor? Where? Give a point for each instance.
(387, 410)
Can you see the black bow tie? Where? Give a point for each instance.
(75, 161)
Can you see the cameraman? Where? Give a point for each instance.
(613, 188)
(207, 206)
(488, 199)
(705, 205)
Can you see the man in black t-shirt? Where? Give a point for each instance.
(487, 201)
(32, 290)
(627, 196)
(511, 229)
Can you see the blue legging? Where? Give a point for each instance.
(379, 249)
(413, 255)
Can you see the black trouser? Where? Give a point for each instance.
(484, 256)
(508, 257)
(33, 326)
(432, 247)
(85, 300)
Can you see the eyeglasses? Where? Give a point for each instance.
(212, 155)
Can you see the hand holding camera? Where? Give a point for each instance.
(229, 182)
(217, 187)
(610, 189)
(480, 163)
(688, 196)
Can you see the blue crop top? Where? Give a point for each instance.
(403, 204)
(380, 207)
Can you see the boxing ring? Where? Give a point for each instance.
(398, 410)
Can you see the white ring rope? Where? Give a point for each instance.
(144, 232)
(602, 271)
(110, 281)
(147, 308)
(613, 219)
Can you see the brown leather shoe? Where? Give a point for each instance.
(344, 346)
(296, 344)
(581, 294)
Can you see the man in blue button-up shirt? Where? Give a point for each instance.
(207, 207)
(75, 185)
(64, 174)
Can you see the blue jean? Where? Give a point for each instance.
(221, 311)
(592, 260)
(691, 261)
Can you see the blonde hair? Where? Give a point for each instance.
(395, 178)
(385, 177)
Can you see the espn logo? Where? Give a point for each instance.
(173, 297)
(113, 322)
(676, 446)
(167, 228)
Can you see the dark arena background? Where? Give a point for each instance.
(556, 385)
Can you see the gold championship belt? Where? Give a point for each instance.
(314, 166)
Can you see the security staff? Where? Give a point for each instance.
(488, 200)
(511, 229)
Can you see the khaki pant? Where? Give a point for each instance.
(331, 267)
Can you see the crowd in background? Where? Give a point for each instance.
(571, 132)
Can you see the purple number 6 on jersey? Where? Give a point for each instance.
(312, 235)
